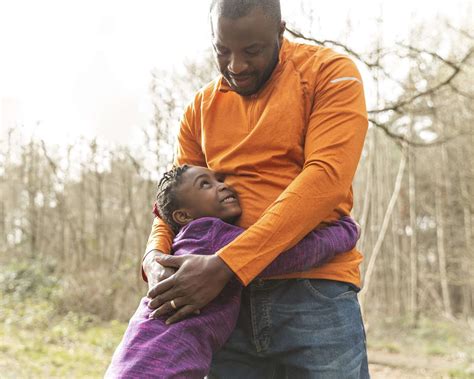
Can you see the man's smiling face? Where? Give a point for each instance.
(246, 49)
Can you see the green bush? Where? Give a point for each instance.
(28, 279)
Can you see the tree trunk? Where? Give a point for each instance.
(414, 308)
(383, 229)
(440, 231)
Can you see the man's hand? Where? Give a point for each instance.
(155, 272)
(199, 279)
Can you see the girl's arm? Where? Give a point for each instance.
(318, 247)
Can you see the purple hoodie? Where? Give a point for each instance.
(152, 349)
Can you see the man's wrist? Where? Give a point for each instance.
(225, 270)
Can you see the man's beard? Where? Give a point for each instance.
(262, 79)
(271, 67)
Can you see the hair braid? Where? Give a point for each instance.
(166, 199)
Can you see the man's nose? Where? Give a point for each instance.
(222, 186)
(237, 65)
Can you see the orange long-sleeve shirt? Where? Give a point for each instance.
(290, 151)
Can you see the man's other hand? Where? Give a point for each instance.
(154, 271)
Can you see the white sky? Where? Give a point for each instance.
(70, 68)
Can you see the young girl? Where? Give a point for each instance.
(201, 208)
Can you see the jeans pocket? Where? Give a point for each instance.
(329, 289)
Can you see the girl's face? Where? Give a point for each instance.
(203, 193)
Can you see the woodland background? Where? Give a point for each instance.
(74, 219)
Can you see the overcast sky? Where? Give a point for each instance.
(70, 68)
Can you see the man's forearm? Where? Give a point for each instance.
(317, 248)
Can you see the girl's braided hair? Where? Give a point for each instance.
(166, 199)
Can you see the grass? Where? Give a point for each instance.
(37, 340)
(437, 343)
(36, 343)
(460, 374)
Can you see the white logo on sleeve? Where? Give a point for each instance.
(345, 78)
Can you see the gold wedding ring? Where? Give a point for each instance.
(173, 304)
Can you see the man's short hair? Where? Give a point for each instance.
(235, 9)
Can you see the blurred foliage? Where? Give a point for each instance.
(26, 278)
(37, 341)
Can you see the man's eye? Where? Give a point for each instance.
(205, 184)
(220, 51)
(254, 51)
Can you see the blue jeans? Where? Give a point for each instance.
(295, 328)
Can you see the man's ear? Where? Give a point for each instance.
(181, 217)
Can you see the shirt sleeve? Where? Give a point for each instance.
(190, 152)
(333, 143)
(317, 248)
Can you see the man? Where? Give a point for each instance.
(286, 124)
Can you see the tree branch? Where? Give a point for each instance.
(401, 139)
(325, 42)
(396, 107)
(401, 103)
(431, 53)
